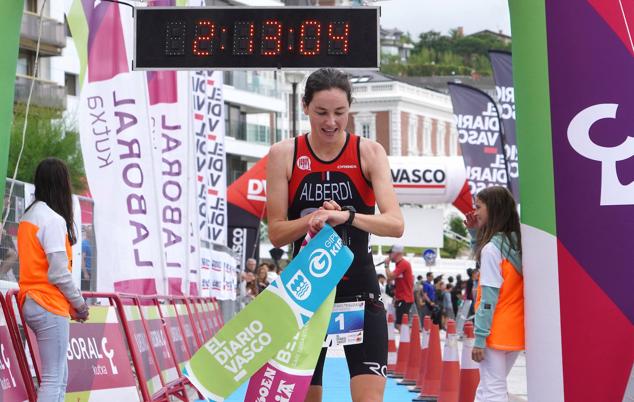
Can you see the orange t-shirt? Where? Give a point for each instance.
(42, 231)
(507, 327)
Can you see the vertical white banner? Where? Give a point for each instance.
(206, 275)
(230, 277)
(117, 150)
(209, 133)
(168, 113)
(217, 277)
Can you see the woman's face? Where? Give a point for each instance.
(481, 213)
(262, 272)
(328, 114)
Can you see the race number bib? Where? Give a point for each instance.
(346, 324)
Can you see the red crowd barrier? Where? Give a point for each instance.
(158, 334)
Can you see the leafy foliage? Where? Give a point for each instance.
(451, 54)
(47, 134)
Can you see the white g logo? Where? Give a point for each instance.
(320, 263)
(612, 191)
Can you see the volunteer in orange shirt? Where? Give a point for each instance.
(47, 294)
(499, 319)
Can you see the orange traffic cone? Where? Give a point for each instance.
(450, 377)
(431, 384)
(391, 345)
(423, 354)
(413, 364)
(469, 371)
(402, 356)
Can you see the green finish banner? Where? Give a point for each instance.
(266, 326)
(11, 12)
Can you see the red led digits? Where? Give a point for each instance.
(223, 38)
(243, 33)
(338, 42)
(291, 39)
(309, 34)
(203, 38)
(271, 38)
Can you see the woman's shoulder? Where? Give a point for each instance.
(370, 148)
(490, 249)
(282, 148)
(41, 214)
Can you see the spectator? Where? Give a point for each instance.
(456, 295)
(418, 296)
(261, 277)
(382, 282)
(248, 289)
(429, 295)
(272, 272)
(9, 266)
(403, 283)
(86, 258)
(47, 294)
(447, 304)
(499, 319)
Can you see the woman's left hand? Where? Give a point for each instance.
(331, 217)
(477, 354)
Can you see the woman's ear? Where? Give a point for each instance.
(305, 108)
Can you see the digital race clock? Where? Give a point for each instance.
(256, 37)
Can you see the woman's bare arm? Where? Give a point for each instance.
(281, 230)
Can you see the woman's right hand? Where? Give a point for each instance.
(80, 314)
(471, 222)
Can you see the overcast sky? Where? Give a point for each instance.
(416, 16)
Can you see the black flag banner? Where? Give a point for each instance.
(480, 138)
(502, 64)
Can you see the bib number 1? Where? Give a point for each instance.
(346, 324)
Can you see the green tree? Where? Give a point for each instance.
(47, 134)
(457, 226)
(452, 54)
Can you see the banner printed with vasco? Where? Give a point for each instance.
(251, 338)
(502, 65)
(479, 136)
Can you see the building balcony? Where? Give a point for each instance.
(53, 38)
(255, 94)
(45, 93)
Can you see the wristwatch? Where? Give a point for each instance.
(352, 212)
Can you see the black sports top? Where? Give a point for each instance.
(314, 181)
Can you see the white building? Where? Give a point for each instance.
(404, 118)
(257, 104)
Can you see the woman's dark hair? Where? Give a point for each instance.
(324, 79)
(52, 186)
(502, 218)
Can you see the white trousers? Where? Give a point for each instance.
(493, 372)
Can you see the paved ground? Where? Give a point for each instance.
(337, 388)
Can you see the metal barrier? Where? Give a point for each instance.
(14, 370)
(157, 333)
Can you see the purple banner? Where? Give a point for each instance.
(591, 75)
(12, 387)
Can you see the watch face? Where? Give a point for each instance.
(254, 37)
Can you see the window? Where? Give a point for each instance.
(365, 130)
(440, 131)
(427, 136)
(70, 82)
(31, 5)
(454, 141)
(412, 135)
(26, 63)
(365, 125)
